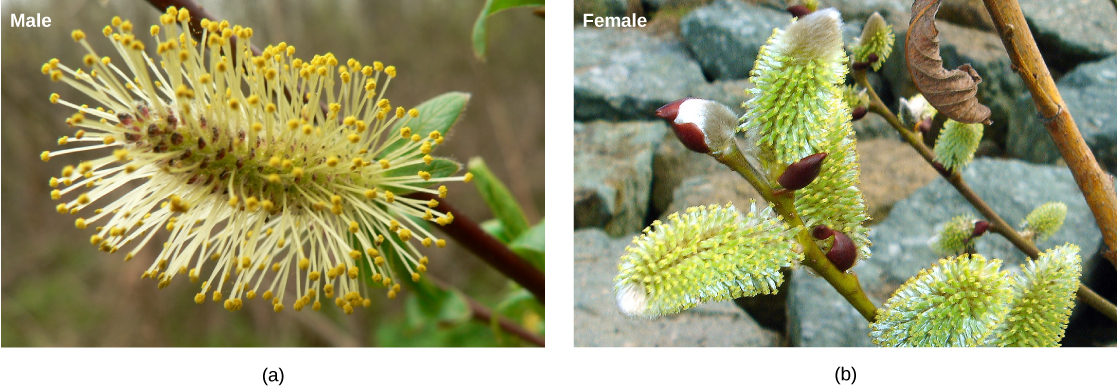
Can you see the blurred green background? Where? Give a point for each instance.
(57, 290)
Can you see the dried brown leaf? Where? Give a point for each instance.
(952, 92)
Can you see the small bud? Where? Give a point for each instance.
(859, 112)
(843, 253)
(803, 172)
(979, 228)
(798, 10)
(925, 125)
(701, 125)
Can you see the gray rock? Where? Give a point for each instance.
(982, 50)
(726, 36)
(625, 74)
(1069, 32)
(613, 174)
(732, 93)
(874, 126)
(674, 163)
(901, 249)
(720, 187)
(895, 11)
(598, 322)
(1089, 92)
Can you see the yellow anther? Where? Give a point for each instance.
(391, 71)
(405, 132)
(251, 204)
(354, 138)
(440, 243)
(404, 234)
(413, 113)
(354, 254)
(216, 295)
(332, 161)
(297, 172)
(233, 200)
(78, 35)
(427, 242)
(83, 199)
(424, 175)
(80, 224)
(267, 295)
(109, 140)
(200, 297)
(385, 164)
(389, 196)
(370, 194)
(274, 178)
(313, 276)
(304, 263)
(354, 227)
(268, 205)
(415, 277)
(45, 156)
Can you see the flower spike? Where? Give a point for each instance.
(956, 303)
(709, 253)
(234, 162)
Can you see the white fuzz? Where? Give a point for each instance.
(715, 120)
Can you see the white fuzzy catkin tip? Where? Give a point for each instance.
(715, 120)
(817, 35)
(632, 300)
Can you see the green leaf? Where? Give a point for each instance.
(437, 306)
(499, 199)
(514, 307)
(480, 34)
(530, 245)
(436, 114)
(440, 167)
(496, 229)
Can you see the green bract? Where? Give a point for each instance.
(710, 253)
(1044, 298)
(957, 143)
(1045, 220)
(955, 303)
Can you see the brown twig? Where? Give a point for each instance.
(483, 314)
(996, 223)
(489, 249)
(1094, 183)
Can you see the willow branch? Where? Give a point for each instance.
(489, 249)
(783, 201)
(1094, 183)
(996, 223)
